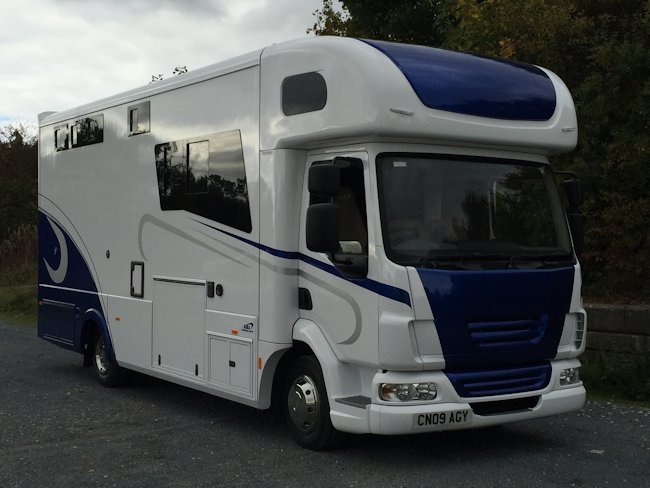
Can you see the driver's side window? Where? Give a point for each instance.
(351, 257)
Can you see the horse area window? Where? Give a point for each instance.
(139, 118)
(205, 176)
(82, 132)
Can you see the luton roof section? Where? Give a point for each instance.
(357, 90)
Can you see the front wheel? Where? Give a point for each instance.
(107, 371)
(307, 410)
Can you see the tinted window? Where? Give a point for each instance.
(206, 176)
(457, 210)
(302, 93)
(61, 137)
(87, 131)
(198, 157)
(351, 258)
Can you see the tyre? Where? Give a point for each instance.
(306, 406)
(107, 371)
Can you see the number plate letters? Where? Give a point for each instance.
(455, 417)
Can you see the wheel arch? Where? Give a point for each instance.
(93, 321)
(275, 371)
(340, 378)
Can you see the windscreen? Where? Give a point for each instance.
(444, 211)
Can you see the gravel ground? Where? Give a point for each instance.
(58, 427)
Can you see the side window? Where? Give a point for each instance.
(61, 142)
(138, 118)
(303, 93)
(353, 220)
(87, 131)
(337, 210)
(198, 170)
(205, 176)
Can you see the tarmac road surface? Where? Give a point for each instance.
(60, 428)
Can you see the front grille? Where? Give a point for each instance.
(507, 333)
(505, 406)
(500, 381)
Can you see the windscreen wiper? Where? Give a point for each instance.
(543, 258)
(444, 261)
(459, 261)
(466, 260)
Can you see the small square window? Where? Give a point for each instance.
(133, 120)
(138, 118)
(61, 137)
(75, 134)
(87, 131)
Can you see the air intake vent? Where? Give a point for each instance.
(511, 333)
(505, 406)
(579, 331)
(500, 381)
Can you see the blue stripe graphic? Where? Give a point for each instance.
(390, 292)
(67, 304)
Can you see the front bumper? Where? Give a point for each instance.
(386, 419)
(390, 418)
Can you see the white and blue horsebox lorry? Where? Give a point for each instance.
(368, 234)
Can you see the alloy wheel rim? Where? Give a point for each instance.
(303, 403)
(101, 362)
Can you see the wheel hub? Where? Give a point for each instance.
(101, 362)
(303, 403)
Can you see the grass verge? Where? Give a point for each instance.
(622, 378)
(18, 304)
(18, 290)
(607, 396)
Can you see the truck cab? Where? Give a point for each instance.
(434, 246)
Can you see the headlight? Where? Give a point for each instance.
(407, 392)
(569, 376)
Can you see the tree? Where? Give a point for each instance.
(413, 21)
(18, 178)
(601, 49)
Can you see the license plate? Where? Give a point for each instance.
(437, 419)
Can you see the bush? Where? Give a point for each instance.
(18, 270)
(622, 375)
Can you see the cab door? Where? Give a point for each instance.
(340, 281)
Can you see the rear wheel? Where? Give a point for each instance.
(307, 410)
(107, 371)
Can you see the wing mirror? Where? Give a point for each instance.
(322, 233)
(324, 180)
(573, 191)
(323, 227)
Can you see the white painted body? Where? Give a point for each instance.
(105, 197)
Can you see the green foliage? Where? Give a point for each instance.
(601, 49)
(18, 300)
(623, 375)
(18, 254)
(18, 178)
(412, 21)
(18, 212)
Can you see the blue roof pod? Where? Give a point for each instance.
(473, 85)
